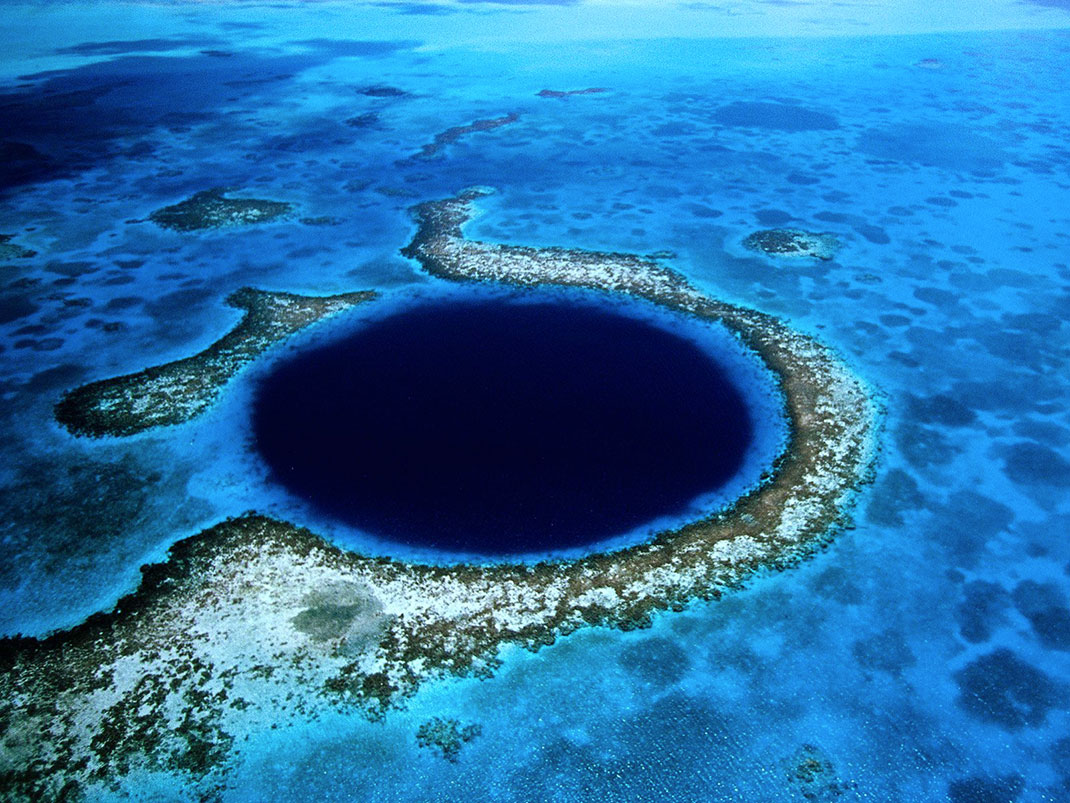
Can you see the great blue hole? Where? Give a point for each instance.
(502, 425)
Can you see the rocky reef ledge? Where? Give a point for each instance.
(175, 392)
(256, 623)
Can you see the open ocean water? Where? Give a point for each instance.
(925, 656)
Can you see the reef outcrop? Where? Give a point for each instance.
(212, 209)
(10, 250)
(565, 93)
(450, 135)
(792, 243)
(175, 392)
(447, 736)
(256, 622)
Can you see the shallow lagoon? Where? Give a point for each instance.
(923, 655)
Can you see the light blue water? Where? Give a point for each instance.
(926, 654)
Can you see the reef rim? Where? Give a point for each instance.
(254, 623)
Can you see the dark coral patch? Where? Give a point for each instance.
(211, 209)
(983, 607)
(565, 93)
(895, 493)
(773, 217)
(121, 47)
(10, 250)
(15, 307)
(382, 91)
(886, 651)
(940, 409)
(656, 660)
(779, 116)
(1044, 605)
(792, 243)
(366, 120)
(967, 523)
(979, 789)
(1029, 463)
(446, 736)
(451, 135)
(1003, 689)
(936, 145)
(22, 163)
(811, 773)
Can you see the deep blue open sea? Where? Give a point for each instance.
(925, 656)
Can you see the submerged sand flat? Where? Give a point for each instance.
(255, 622)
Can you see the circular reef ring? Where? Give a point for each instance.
(243, 614)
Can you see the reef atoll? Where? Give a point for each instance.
(211, 209)
(175, 392)
(792, 243)
(257, 623)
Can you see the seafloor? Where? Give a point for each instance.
(149, 176)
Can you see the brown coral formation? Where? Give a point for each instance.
(175, 392)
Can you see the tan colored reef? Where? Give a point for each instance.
(256, 622)
(175, 392)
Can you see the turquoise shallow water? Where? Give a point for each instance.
(924, 656)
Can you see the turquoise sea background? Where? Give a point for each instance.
(925, 656)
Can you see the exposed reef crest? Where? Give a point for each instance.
(175, 392)
(257, 622)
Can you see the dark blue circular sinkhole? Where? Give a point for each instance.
(502, 425)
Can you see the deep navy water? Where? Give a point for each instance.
(925, 655)
(499, 426)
